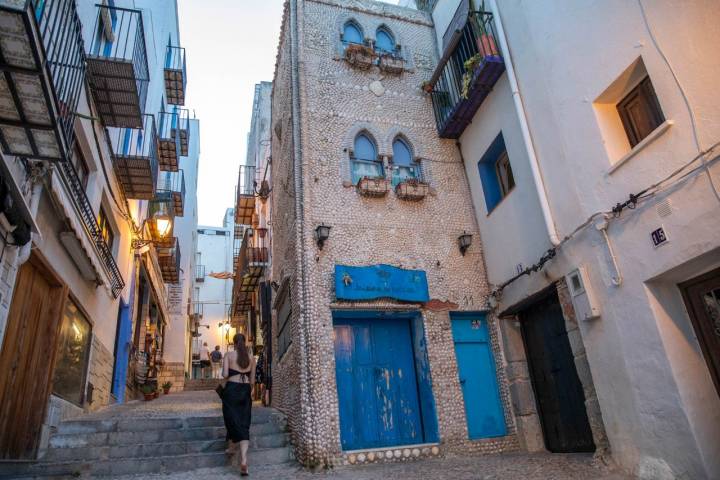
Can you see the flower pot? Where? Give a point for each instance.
(412, 190)
(166, 391)
(373, 186)
(148, 396)
(360, 56)
(156, 394)
(486, 45)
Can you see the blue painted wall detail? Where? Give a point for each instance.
(382, 398)
(380, 281)
(478, 380)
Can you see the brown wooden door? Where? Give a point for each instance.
(27, 358)
(702, 298)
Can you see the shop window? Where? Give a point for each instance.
(364, 159)
(640, 112)
(72, 355)
(105, 229)
(496, 173)
(403, 165)
(352, 33)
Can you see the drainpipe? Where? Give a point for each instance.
(525, 129)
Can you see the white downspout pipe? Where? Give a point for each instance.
(525, 129)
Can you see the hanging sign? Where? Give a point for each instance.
(380, 281)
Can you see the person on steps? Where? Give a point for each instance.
(216, 359)
(239, 372)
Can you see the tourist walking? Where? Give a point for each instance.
(216, 357)
(239, 370)
(204, 360)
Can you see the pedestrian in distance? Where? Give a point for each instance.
(216, 357)
(204, 360)
(239, 372)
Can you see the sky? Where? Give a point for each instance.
(230, 46)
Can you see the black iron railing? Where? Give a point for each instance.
(135, 153)
(175, 75)
(119, 36)
(168, 124)
(59, 54)
(246, 180)
(86, 214)
(467, 71)
(199, 273)
(172, 182)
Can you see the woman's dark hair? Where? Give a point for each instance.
(243, 358)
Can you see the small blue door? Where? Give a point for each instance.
(377, 383)
(122, 352)
(476, 368)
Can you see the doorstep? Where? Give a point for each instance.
(398, 453)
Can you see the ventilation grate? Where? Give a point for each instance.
(664, 209)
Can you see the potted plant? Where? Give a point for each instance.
(148, 392)
(373, 186)
(361, 56)
(166, 387)
(412, 189)
(156, 394)
(426, 86)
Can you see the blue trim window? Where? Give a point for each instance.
(496, 173)
(352, 33)
(404, 166)
(364, 159)
(384, 41)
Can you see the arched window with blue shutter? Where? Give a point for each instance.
(384, 41)
(404, 165)
(365, 161)
(352, 33)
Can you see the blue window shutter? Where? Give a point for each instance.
(384, 40)
(352, 33)
(401, 153)
(488, 177)
(365, 148)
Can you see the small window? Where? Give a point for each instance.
(365, 162)
(384, 41)
(352, 33)
(404, 166)
(105, 229)
(81, 167)
(72, 355)
(640, 112)
(496, 173)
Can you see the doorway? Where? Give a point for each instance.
(558, 391)
(27, 358)
(702, 299)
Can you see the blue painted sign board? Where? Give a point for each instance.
(380, 281)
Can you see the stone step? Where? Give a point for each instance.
(270, 456)
(138, 424)
(133, 451)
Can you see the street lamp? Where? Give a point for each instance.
(464, 242)
(322, 233)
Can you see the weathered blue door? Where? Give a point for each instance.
(476, 368)
(122, 351)
(377, 383)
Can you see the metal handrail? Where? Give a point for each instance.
(246, 180)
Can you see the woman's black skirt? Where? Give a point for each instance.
(236, 406)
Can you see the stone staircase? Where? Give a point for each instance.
(126, 445)
(198, 384)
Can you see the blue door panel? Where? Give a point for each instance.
(478, 380)
(343, 367)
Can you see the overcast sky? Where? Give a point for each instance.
(230, 45)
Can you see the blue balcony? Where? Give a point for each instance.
(118, 67)
(175, 75)
(135, 158)
(468, 71)
(172, 185)
(42, 71)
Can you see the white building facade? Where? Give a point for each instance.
(592, 164)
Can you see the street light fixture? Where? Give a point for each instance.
(464, 242)
(322, 233)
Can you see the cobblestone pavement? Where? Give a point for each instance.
(177, 404)
(488, 467)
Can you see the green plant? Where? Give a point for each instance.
(167, 385)
(470, 65)
(147, 389)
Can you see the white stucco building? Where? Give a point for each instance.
(601, 126)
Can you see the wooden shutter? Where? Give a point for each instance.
(640, 112)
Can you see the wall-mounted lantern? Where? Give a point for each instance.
(464, 242)
(322, 233)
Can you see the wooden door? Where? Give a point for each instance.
(702, 298)
(377, 384)
(478, 380)
(558, 391)
(27, 359)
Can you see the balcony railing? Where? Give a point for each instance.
(42, 64)
(173, 184)
(245, 204)
(183, 129)
(135, 155)
(169, 261)
(470, 67)
(168, 141)
(175, 75)
(118, 66)
(199, 273)
(252, 261)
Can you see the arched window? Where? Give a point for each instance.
(352, 33)
(365, 161)
(384, 40)
(404, 165)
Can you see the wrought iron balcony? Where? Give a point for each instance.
(118, 67)
(175, 75)
(252, 262)
(172, 184)
(245, 204)
(470, 67)
(169, 261)
(183, 129)
(135, 160)
(168, 141)
(199, 273)
(42, 70)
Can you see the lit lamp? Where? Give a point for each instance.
(163, 223)
(322, 233)
(464, 242)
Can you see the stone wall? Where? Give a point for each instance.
(337, 102)
(100, 370)
(172, 372)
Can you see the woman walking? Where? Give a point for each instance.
(239, 370)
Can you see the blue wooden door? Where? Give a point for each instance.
(122, 351)
(377, 384)
(476, 368)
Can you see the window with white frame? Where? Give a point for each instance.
(404, 166)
